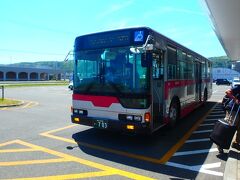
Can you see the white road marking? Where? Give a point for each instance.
(197, 140)
(208, 124)
(218, 108)
(219, 114)
(204, 168)
(211, 119)
(199, 168)
(203, 131)
(202, 151)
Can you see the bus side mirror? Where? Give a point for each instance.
(146, 59)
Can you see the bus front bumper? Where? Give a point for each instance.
(113, 125)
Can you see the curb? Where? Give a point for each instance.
(232, 167)
(13, 105)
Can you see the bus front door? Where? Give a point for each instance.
(198, 75)
(157, 89)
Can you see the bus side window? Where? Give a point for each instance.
(157, 65)
(172, 62)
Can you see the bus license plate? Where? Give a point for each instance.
(100, 124)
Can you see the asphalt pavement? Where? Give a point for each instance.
(41, 130)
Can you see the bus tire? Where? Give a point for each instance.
(174, 110)
(205, 97)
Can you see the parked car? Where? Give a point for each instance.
(223, 82)
(236, 82)
(70, 86)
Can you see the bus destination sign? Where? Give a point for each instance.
(108, 40)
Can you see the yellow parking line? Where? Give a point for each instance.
(29, 162)
(58, 138)
(169, 154)
(131, 155)
(60, 129)
(162, 160)
(70, 176)
(16, 150)
(30, 104)
(85, 162)
(8, 143)
(26, 105)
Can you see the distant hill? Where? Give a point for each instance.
(221, 62)
(218, 62)
(62, 65)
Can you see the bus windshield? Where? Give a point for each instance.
(110, 71)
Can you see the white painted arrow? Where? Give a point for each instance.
(199, 168)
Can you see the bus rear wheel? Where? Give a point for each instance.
(173, 113)
(205, 96)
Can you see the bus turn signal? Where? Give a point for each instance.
(147, 117)
(130, 127)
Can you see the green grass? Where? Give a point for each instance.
(6, 102)
(37, 84)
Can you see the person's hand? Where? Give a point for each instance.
(229, 91)
(237, 101)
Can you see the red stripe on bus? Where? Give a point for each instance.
(99, 101)
(206, 80)
(184, 111)
(180, 83)
(173, 84)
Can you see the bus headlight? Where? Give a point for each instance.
(128, 117)
(137, 118)
(80, 112)
(75, 111)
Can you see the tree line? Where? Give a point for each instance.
(221, 61)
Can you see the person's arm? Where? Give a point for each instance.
(231, 94)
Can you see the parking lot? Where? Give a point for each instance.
(39, 141)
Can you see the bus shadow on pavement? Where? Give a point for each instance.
(142, 158)
(147, 152)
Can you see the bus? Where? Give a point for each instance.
(136, 80)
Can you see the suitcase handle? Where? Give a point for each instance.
(230, 115)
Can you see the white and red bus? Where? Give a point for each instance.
(136, 80)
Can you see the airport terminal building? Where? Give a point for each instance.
(224, 73)
(9, 73)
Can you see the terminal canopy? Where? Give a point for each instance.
(225, 17)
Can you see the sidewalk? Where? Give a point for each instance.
(232, 168)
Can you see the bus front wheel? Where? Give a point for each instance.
(205, 97)
(173, 113)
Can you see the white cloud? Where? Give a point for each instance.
(114, 8)
(168, 9)
(118, 24)
(179, 33)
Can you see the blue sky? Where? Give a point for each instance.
(44, 30)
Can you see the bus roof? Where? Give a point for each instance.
(124, 37)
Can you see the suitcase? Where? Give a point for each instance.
(223, 132)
